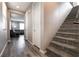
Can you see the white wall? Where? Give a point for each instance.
(28, 24)
(36, 23)
(54, 15)
(3, 27)
(8, 24)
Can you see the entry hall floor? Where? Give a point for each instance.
(18, 47)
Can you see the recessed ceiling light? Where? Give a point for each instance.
(17, 6)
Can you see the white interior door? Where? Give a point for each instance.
(36, 19)
(30, 25)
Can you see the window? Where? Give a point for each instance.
(21, 26)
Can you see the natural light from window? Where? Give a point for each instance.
(21, 26)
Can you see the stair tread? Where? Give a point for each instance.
(59, 52)
(71, 39)
(68, 28)
(68, 33)
(65, 45)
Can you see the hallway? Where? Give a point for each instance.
(35, 29)
(18, 47)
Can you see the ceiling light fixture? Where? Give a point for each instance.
(17, 6)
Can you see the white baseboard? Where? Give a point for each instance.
(3, 49)
(30, 42)
(42, 51)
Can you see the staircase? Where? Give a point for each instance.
(66, 41)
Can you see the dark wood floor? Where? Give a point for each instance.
(18, 48)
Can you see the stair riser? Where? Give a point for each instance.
(72, 52)
(67, 42)
(71, 21)
(70, 31)
(68, 22)
(68, 35)
(70, 26)
(51, 54)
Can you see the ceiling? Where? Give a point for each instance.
(17, 16)
(22, 6)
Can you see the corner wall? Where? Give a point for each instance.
(4, 34)
(54, 15)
